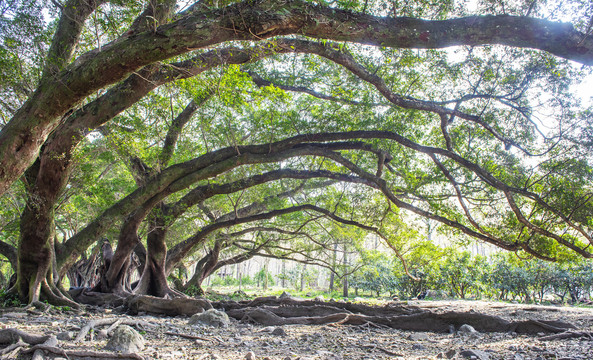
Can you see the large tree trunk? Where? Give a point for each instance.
(36, 252)
(116, 272)
(154, 279)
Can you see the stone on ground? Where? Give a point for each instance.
(468, 329)
(418, 337)
(475, 354)
(126, 340)
(279, 332)
(211, 317)
(66, 335)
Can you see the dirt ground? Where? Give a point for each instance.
(323, 342)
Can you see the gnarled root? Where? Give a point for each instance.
(173, 307)
(54, 296)
(292, 311)
(568, 335)
(114, 322)
(89, 297)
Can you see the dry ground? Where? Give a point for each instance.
(325, 342)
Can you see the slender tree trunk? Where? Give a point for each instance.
(345, 263)
(304, 270)
(332, 274)
(265, 279)
(204, 268)
(283, 273)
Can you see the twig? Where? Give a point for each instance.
(375, 347)
(187, 336)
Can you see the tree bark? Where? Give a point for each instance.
(204, 268)
(154, 279)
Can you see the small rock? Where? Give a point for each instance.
(285, 295)
(467, 329)
(418, 347)
(250, 356)
(447, 355)
(518, 357)
(210, 317)
(328, 355)
(65, 335)
(126, 340)
(417, 337)
(279, 332)
(319, 298)
(475, 354)
(308, 294)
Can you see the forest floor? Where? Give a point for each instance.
(322, 341)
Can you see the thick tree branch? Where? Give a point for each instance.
(10, 253)
(22, 137)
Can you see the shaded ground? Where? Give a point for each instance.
(326, 341)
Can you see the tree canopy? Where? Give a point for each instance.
(167, 126)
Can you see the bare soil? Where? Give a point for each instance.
(172, 337)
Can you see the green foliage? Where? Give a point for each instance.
(460, 274)
(8, 299)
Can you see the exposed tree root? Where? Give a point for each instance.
(89, 297)
(389, 309)
(81, 354)
(273, 311)
(13, 349)
(173, 307)
(54, 296)
(108, 321)
(42, 344)
(10, 336)
(568, 335)
(38, 353)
